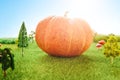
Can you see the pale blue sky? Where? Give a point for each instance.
(102, 15)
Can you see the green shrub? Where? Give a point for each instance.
(99, 37)
(7, 41)
(118, 37)
(111, 48)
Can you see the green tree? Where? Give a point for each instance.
(111, 48)
(6, 59)
(22, 38)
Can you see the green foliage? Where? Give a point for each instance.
(99, 37)
(7, 41)
(111, 47)
(118, 37)
(7, 60)
(22, 38)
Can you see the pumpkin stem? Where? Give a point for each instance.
(65, 15)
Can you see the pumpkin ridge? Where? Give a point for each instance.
(38, 34)
(70, 40)
(48, 30)
(83, 37)
(89, 32)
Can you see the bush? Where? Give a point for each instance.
(118, 37)
(7, 41)
(111, 48)
(99, 37)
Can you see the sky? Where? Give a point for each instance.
(103, 16)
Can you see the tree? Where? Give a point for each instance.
(6, 59)
(111, 48)
(31, 36)
(22, 38)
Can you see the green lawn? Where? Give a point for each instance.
(36, 65)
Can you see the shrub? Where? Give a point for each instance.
(99, 37)
(111, 48)
(7, 41)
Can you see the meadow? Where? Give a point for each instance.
(37, 65)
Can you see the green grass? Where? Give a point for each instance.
(36, 65)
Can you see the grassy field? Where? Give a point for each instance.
(36, 65)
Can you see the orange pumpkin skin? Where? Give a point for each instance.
(61, 36)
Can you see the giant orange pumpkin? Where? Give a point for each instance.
(62, 36)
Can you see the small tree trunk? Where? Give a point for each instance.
(22, 52)
(4, 73)
(111, 59)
